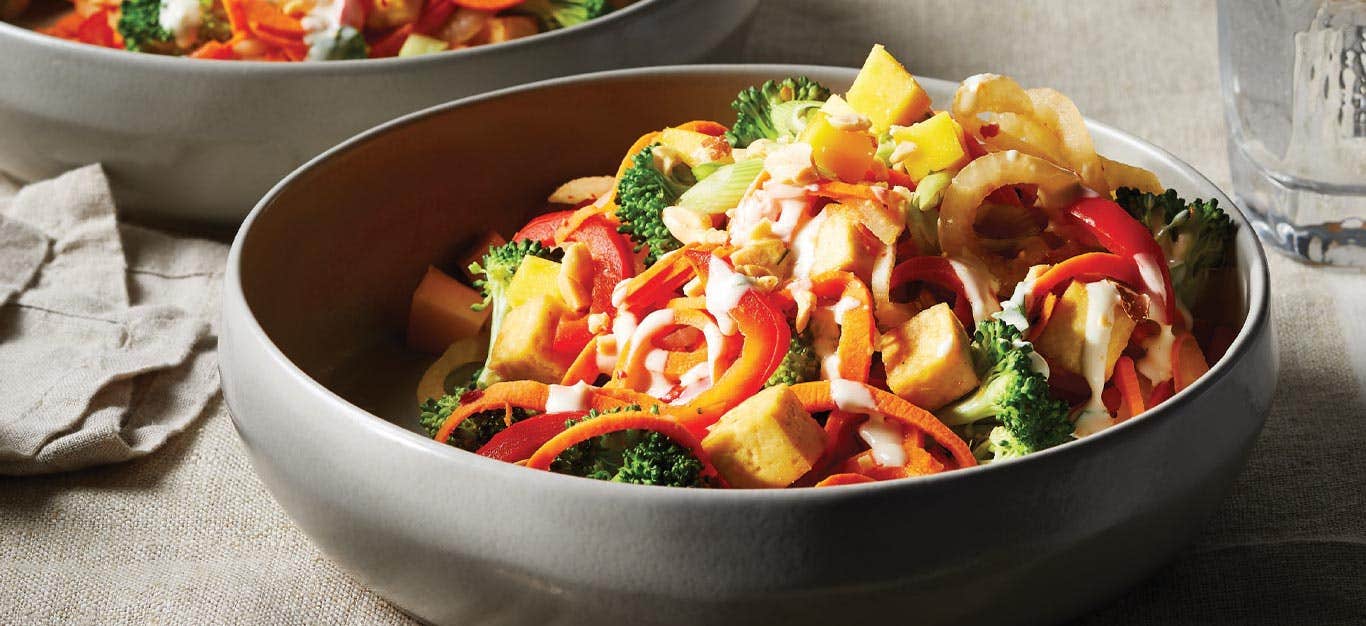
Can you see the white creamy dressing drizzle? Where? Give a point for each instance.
(885, 440)
(1013, 310)
(1156, 364)
(776, 209)
(561, 398)
(804, 247)
(725, 287)
(852, 397)
(979, 291)
(1101, 298)
(655, 362)
(1151, 273)
(830, 366)
(609, 347)
(971, 85)
(694, 382)
(845, 305)
(182, 19)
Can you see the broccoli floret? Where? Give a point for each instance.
(496, 270)
(140, 25)
(800, 364)
(642, 195)
(346, 43)
(755, 114)
(555, 14)
(631, 456)
(1196, 236)
(472, 433)
(1012, 393)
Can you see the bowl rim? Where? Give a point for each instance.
(1255, 324)
(156, 62)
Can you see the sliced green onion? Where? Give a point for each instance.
(723, 189)
(790, 118)
(702, 170)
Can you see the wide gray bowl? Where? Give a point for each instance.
(185, 140)
(321, 391)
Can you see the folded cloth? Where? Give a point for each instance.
(88, 374)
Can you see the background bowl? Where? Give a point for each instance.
(315, 305)
(200, 141)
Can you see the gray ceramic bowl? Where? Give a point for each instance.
(187, 140)
(320, 388)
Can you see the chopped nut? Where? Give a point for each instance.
(575, 280)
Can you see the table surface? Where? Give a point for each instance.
(189, 534)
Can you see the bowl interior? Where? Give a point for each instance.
(332, 255)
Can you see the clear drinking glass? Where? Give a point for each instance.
(1295, 99)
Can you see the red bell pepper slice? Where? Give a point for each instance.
(542, 227)
(937, 271)
(434, 15)
(766, 336)
(571, 335)
(390, 44)
(1088, 267)
(520, 440)
(1120, 233)
(612, 254)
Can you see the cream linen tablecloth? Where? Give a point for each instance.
(188, 534)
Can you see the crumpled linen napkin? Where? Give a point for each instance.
(106, 337)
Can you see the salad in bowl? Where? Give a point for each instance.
(833, 289)
(307, 30)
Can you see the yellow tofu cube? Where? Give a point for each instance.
(523, 348)
(535, 277)
(695, 148)
(928, 359)
(1063, 338)
(843, 243)
(886, 93)
(768, 440)
(933, 145)
(843, 154)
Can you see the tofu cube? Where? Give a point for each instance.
(523, 349)
(886, 93)
(1063, 338)
(935, 144)
(768, 440)
(928, 359)
(535, 277)
(843, 243)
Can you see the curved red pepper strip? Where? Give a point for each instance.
(612, 254)
(937, 271)
(766, 336)
(1120, 233)
(520, 440)
(1089, 267)
(542, 227)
